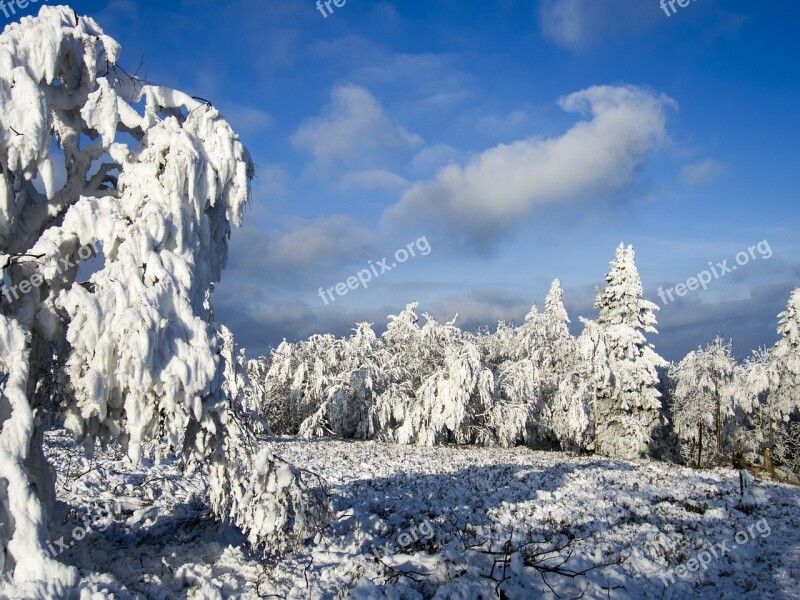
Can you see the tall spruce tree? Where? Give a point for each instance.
(629, 414)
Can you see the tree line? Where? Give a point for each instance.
(605, 391)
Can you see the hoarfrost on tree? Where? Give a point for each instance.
(703, 400)
(630, 413)
(155, 180)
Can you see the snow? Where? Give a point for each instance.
(155, 537)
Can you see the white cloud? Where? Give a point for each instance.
(298, 255)
(352, 127)
(434, 157)
(246, 119)
(578, 24)
(597, 157)
(703, 171)
(271, 181)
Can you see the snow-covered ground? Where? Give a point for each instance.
(446, 522)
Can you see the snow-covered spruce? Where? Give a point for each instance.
(629, 413)
(153, 180)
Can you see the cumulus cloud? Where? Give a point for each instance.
(701, 172)
(352, 127)
(596, 158)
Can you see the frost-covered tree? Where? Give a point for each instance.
(776, 381)
(769, 390)
(703, 399)
(298, 379)
(499, 345)
(787, 447)
(455, 391)
(519, 412)
(566, 381)
(756, 378)
(629, 414)
(573, 411)
(786, 358)
(154, 181)
(360, 379)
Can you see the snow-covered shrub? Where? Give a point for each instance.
(155, 180)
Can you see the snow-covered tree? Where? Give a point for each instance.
(499, 345)
(360, 378)
(769, 392)
(774, 380)
(298, 379)
(567, 384)
(628, 417)
(786, 357)
(154, 182)
(787, 447)
(448, 402)
(572, 414)
(703, 399)
(755, 379)
(518, 412)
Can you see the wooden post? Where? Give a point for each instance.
(768, 461)
(719, 418)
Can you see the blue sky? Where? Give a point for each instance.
(524, 140)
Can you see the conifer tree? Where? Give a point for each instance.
(631, 411)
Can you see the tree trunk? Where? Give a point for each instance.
(699, 444)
